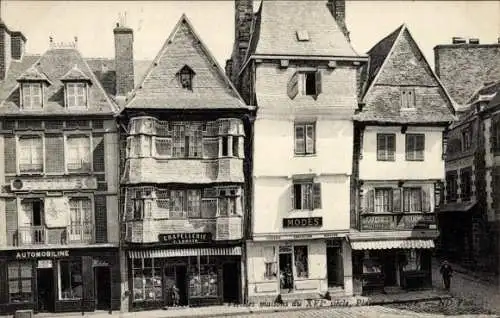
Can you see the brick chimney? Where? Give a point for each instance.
(243, 16)
(5, 50)
(124, 59)
(337, 8)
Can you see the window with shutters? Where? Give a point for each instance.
(76, 95)
(383, 200)
(32, 96)
(415, 147)
(30, 154)
(20, 279)
(81, 225)
(386, 147)
(306, 195)
(407, 98)
(466, 184)
(451, 186)
(78, 153)
(412, 199)
(305, 138)
(311, 83)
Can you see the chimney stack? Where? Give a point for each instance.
(243, 18)
(473, 41)
(337, 8)
(124, 59)
(458, 40)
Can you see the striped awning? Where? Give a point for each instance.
(391, 244)
(215, 251)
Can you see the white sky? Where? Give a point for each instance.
(431, 23)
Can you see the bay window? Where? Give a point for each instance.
(30, 154)
(78, 154)
(227, 202)
(70, 280)
(19, 276)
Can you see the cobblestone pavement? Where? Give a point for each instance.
(355, 312)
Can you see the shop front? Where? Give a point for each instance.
(194, 275)
(390, 266)
(60, 280)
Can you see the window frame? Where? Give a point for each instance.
(86, 223)
(67, 150)
(451, 178)
(72, 93)
(416, 141)
(466, 191)
(307, 188)
(155, 268)
(315, 75)
(409, 202)
(19, 279)
(24, 95)
(386, 208)
(386, 154)
(466, 138)
(309, 149)
(20, 152)
(59, 276)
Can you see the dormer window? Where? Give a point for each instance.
(76, 95)
(186, 75)
(75, 88)
(31, 95)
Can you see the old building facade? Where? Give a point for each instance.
(398, 165)
(183, 179)
(59, 229)
(300, 71)
(470, 71)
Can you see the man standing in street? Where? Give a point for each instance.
(446, 271)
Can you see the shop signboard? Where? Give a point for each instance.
(42, 254)
(185, 238)
(303, 222)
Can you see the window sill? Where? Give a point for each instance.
(305, 155)
(386, 160)
(415, 160)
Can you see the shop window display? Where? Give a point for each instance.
(301, 261)
(371, 264)
(203, 279)
(412, 261)
(70, 280)
(20, 282)
(146, 280)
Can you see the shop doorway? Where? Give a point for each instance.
(389, 269)
(45, 289)
(335, 266)
(231, 283)
(286, 272)
(102, 279)
(180, 282)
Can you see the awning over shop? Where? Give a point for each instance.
(216, 251)
(457, 206)
(391, 244)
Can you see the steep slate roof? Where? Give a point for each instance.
(75, 74)
(397, 61)
(276, 24)
(55, 63)
(33, 74)
(160, 88)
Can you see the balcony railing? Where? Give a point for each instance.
(41, 235)
(397, 222)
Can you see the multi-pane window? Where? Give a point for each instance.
(80, 228)
(466, 138)
(415, 147)
(30, 154)
(269, 263)
(76, 95)
(386, 147)
(407, 98)
(383, 200)
(451, 186)
(412, 199)
(305, 139)
(78, 154)
(466, 184)
(227, 202)
(146, 280)
(32, 95)
(187, 140)
(306, 195)
(70, 280)
(178, 209)
(193, 203)
(163, 146)
(19, 276)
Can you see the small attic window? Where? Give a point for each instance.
(186, 75)
(76, 95)
(31, 95)
(302, 35)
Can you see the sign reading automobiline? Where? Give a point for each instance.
(45, 254)
(185, 238)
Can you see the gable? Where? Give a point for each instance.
(161, 87)
(406, 65)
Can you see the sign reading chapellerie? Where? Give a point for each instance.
(185, 238)
(42, 254)
(303, 222)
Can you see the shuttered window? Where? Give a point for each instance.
(415, 147)
(412, 199)
(81, 225)
(306, 195)
(30, 154)
(98, 152)
(386, 147)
